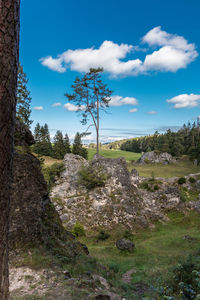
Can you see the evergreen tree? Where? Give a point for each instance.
(78, 148)
(42, 144)
(67, 144)
(59, 146)
(23, 110)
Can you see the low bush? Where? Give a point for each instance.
(192, 180)
(102, 236)
(128, 235)
(51, 172)
(78, 229)
(92, 176)
(181, 180)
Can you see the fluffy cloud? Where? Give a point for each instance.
(185, 100)
(176, 53)
(56, 104)
(119, 101)
(133, 110)
(72, 107)
(153, 112)
(173, 54)
(38, 108)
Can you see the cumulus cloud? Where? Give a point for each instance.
(133, 110)
(72, 107)
(38, 108)
(173, 53)
(185, 100)
(56, 104)
(119, 101)
(153, 112)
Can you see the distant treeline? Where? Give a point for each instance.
(59, 147)
(185, 141)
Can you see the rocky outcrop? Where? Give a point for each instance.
(125, 245)
(156, 157)
(114, 203)
(34, 220)
(126, 199)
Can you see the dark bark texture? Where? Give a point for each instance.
(9, 49)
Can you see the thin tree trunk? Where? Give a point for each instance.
(97, 129)
(9, 48)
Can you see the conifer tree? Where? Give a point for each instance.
(78, 148)
(59, 145)
(67, 144)
(23, 110)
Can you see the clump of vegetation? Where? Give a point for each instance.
(150, 185)
(192, 180)
(78, 229)
(181, 180)
(92, 176)
(128, 235)
(147, 161)
(102, 236)
(51, 172)
(183, 196)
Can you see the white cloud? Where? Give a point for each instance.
(153, 112)
(176, 53)
(54, 64)
(185, 100)
(72, 107)
(38, 108)
(119, 101)
(173, 53)
(133, 110)
(56, 104)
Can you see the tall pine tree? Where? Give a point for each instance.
(67, 144)
(59, 146)
(78, 148)
(23, 110)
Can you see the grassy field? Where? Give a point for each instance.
(129, 156)
(179, 169)
(156, 250)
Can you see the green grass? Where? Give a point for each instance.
(129, 156)
(155, 250)
(179, 169)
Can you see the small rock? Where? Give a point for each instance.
(124, 244)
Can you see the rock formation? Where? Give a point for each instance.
(33, 218)
(156, 157)
(125, 199)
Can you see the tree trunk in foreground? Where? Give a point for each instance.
(9, 48)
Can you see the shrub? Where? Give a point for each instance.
(156, 187)
(114, 267)
(181, 180)
(128, 235)
(183, 196)
(102, 236)
(147, 161)
(78, 229)
(91, 176)
(192, 180)
(51, 172)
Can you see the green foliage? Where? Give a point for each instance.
(92, 176)
(90, 95)
(192, 180)
(23, 110)
(78, 148)
(78, 230)
(59, 147)
(114, 267)
(183, 196)
(102, 236)
(42, 144)
(185, 141)
(51, 172)
(181, 180)
(146, 160)
(128, 235)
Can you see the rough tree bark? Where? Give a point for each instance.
(9, 49)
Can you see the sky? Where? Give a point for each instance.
(149, 50)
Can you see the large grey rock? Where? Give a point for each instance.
(156, 157)
(124, 244)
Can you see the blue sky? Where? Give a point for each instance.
(149, 50)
